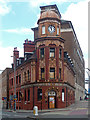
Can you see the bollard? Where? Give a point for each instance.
(35, 110)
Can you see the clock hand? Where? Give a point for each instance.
(50, 28)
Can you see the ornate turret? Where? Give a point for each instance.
(49, 21)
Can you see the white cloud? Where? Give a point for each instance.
(36, 3)
(6, 60)
(5, 53)
(4, 8)
(78, 15)
(19, 31)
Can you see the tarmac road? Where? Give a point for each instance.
(78, 110)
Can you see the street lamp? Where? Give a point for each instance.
(14, 82)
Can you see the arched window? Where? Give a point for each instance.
(43, 29)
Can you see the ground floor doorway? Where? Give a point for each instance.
(52, 99)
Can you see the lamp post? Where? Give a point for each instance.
(14, 82)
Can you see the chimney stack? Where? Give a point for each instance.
(16, 54)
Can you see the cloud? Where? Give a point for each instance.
(4, 7)
(6, 60)
(19, 31)
(78, 15)
(36, 3)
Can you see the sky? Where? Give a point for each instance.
(17, 17)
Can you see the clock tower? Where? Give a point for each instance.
(49, 21)
(49, 45)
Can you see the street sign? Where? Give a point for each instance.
(2, 98)
(14, 98)
(89, 91)
(5, 98)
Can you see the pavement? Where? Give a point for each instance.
(76, 105)
(78, 109)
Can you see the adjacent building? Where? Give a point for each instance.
(45, 76)
(74, 51)
(4, 79)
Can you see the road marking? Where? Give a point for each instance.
(58, 113)
(6, 114)
(81, 108)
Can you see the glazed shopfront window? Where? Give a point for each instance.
(39, 93)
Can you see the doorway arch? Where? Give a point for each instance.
(52, 99)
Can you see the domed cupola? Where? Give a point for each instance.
(49, 14)
(49, 22)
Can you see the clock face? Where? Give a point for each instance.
(51, 29)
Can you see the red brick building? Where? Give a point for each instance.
(45, 75)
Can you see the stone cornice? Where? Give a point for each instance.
(49, 38)
(48, 84)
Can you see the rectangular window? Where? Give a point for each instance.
(42, 73)
(16, 79)
(17, 62)
(62, 95)
(39, 94)
(52, 73)
(43, 29)
(19, 78)
(28, 95)
(42, 52)
(57, 30)
(25, 95)
(59, 73)
(52, 52)
(25, 76)
(60, 53)
(17, 96)
(28, 74)
(12, 81)
(20, 95)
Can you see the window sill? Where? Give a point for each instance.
(52, 78)
(43, 33)
(39, 100)
(42, 78)
(52, 57)
(57, 35)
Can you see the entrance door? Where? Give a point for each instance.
(51, 102)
